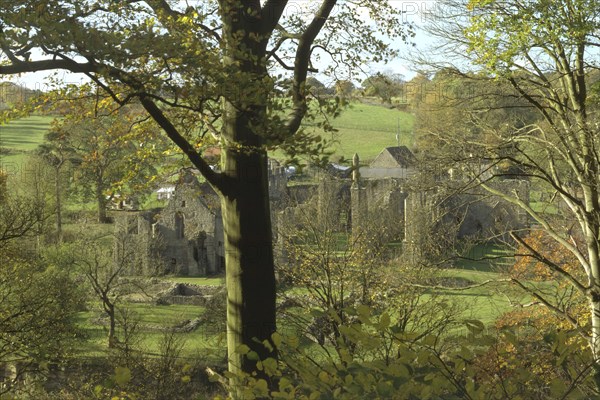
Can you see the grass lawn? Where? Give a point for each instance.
(540, 202)
(25, 133)
(208, 281)
(486, 257)
(362, 128)
(205, 340)
(485, 303)
(367, 129)
(165, 315)
(21, 136)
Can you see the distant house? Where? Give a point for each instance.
(392, 162)
(394, 157)
(165, 192)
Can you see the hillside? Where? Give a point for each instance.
(19, 137)
(366, 129)
(362, 128)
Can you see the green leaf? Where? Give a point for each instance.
(122, 376)
(276, 338)
(261, 388)
(384, 321)
(324, 376)
(384, 389)
(270, 366)
(475, 326)
(242, 349)
(364, 313)
(557, 388)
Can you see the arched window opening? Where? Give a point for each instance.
(179, 226)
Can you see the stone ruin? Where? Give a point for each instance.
(393, 184)
(186, 237)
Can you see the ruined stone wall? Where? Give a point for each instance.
(488, 216)
(373, 197)
(134, 243)
(333, 201)
(184, 238)
(475, 213)
(277, 182)
(188, 228)
(300, 194)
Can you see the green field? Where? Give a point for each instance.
(368, 129)
(22, 136)
(213, 281)
(362, 128)
(152, 322)
(485, 304)
(25, 133)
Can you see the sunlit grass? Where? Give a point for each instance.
(201, 281)
(367, 129)
(25, 133)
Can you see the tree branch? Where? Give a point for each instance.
(45, 65)
(477, 285)
(561, 313)
(552, 265)
(271, 14)
(302, 62)
(214, 178)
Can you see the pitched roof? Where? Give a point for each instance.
(401, 155)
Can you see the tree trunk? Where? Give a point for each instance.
(250, 275)
(110, 310)
(595, 339)
(101, 202)
(59, 235)
(249, 265)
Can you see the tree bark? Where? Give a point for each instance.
(250, 276)
(110, 310)
(101, 203)
(59, 235)
(595, 339)
(249, 265)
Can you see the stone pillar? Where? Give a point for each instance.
(418, 218)
(358, 198)
(355, 170)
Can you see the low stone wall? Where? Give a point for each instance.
(194, 300)
(188, 294)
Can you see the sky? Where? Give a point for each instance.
(415, 13)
